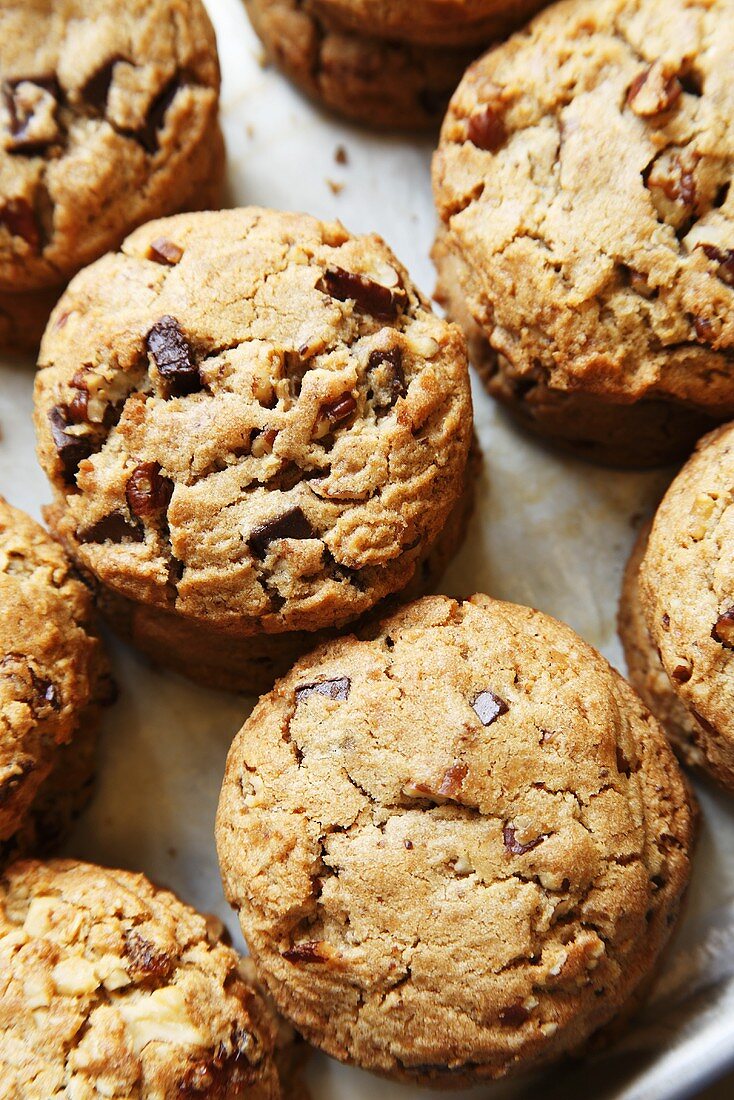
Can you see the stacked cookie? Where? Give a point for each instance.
(587, 224)
(256, 429)
(384, 64)
(108, 117)
(457, 844)
(677, 610)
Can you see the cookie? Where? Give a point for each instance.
(108, 117)
(54, 678)
(431, 21)
(113, 987)
(457, 844)
(676, 610)
(269, 432)
(587, 223)
(381, 83)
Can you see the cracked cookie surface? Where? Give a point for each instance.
(440, 22)
(583, 184)
(457, 845)
(53, 679)
(686, 596)
(270, 427)
(108, 117)
(381, 83)
(112, 987)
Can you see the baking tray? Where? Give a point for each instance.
(548, 531)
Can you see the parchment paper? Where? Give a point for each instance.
(548, 531)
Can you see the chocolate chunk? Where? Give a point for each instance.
(387, 377)
(652, 92)
(340, 409)
(486, 129)
(146, 961)
(336, 689)
(95, 91)
(723, 630)
(290, 525)
(147, 135)
(20, 221)
(164, 251)
(453, 781)
(147, 492)
(513, 845)
(311, 951)
(724, 259)
(47, 692)
(173, 357)
(71, 449)
(368, 296)
(408, 845)
(488, 707)
(112, 528)
(513, 1015)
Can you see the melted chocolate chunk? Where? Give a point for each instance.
(340, 409)
(20, 221)
(112, 528)
(290, 525)
(147, 135)
(173, 357)
(486, 129)
(71, 449)
(311, 951)
(96, 89)
(368, 296)
(31, 103)
(724, 259)
(513, 1015)
(388, 379)
(488, 707)
(513, 845)
(163, 251)
(723, 630)
(147, 492)
(337, 689)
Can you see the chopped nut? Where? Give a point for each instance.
(161, 1016)
(74, 976)
(654, 90)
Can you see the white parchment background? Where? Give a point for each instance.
(549, 532)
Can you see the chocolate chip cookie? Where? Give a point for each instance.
(587, 224)
(112, 987)
(108, 117)
(382, 83)
(254, 425)
(677, 609)
(54, 678)
(436, 22)
(457, 843)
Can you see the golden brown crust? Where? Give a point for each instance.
(436, 22)
(456, 846)
(110, 986)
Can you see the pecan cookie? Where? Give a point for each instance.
(382, 83)
(112, 987)
(268, 433)
(587, 223)
(476, 841)
(437, 22)
(54, 678)
(677, 609)
(108, 117)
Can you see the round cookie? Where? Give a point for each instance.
(678, 606)
(270, 430)
(587, 223)
(108, 117)
(457, 844)
(54, 678)
(437, 22)
(380, 83)
(110, 986)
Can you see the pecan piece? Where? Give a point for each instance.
(723, 630)
(653, 91)
(148, 492)
(724, 260)
(513, 845)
